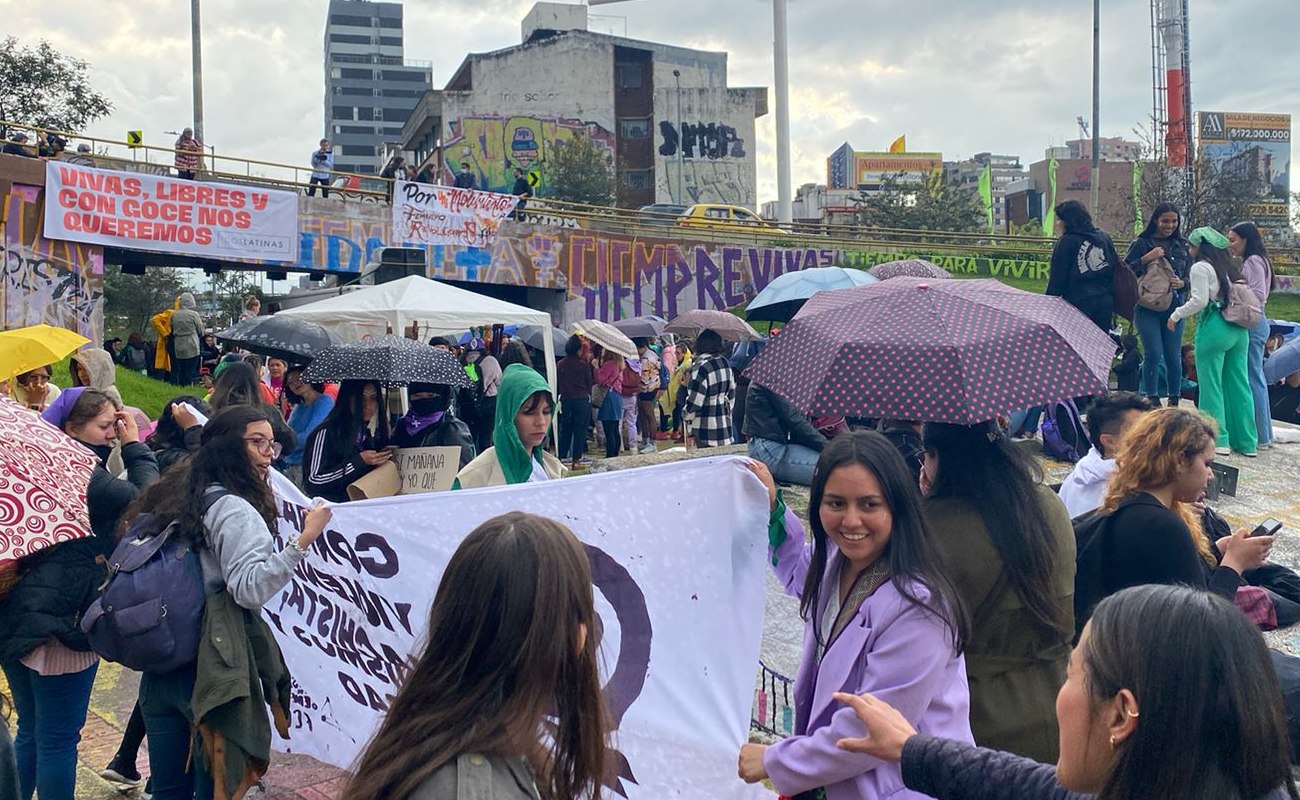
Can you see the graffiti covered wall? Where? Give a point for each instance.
(53, 282)
(705, 146)
(495, 146)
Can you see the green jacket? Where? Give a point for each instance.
(240, 672)
(518, 383)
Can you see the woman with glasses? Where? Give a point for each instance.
(222, 501)
(34, 390)
(351, 442)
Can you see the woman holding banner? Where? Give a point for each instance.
(880, 617)
(524, 408)
(505, 700)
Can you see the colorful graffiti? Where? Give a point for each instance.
(495, 146)
(45, 281)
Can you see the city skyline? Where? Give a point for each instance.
(997, 77)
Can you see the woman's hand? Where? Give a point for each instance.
(1241, 551)
(1177, 283)
(887, 730)
(183, 417)
(765, 475)
(127, 429)
(750, 764)
(1153, 254)
(1171, 323)
(376, 457)
(314, 524)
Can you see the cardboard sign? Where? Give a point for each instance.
(427, 469)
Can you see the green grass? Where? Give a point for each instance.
(146, 394)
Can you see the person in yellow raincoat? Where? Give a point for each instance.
(675, 392)
(162, 323)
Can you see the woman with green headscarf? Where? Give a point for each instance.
(1221, 347)
(523, 416)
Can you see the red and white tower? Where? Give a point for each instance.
(1172, 81)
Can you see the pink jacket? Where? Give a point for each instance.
(892, 649)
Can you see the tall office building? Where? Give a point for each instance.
(370, 88)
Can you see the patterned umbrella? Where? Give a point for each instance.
(725, 324)
(648, 326)
(607, 336)
(390, 360)
(782, 298)
(294, 340)
(934, 351)
(909, 268)
(43, 479)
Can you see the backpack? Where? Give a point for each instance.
(149, 613)
(1242, 306)
(1156, 287)
(1064, 436)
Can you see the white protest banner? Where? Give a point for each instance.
(425, 213)
(427, 469)
(678, 569)
(150, 212)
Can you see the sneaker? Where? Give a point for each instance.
(1222, 451)
(122, 773)
(1265, 445)
(585, 461)
(1247, 455)
(648, 447)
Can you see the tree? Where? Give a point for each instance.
(130, 300)
(43, 88)
(938, 205)
(582, 171)
(229, 288)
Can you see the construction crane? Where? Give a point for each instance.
(1083, 127)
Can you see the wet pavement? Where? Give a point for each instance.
(1268, 486)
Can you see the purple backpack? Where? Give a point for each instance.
(1064, 436)
(149, 614)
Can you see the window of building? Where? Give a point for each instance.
(637, 179)
(630, 76)
(637, 128)
(350, 19)
(356, 74)
(357, 150)
(342, 112)
(348, 38)
(413, 75)
(390, 41)
(352, 90)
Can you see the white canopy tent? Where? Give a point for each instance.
(437, 308)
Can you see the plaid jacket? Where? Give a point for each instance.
(709, 398)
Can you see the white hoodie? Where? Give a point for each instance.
(1085, 487)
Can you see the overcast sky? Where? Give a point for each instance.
(957, 76)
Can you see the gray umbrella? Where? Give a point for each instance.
(390, 360)
(531, 335)
(725, 324)
(648, 326)
(294, 340)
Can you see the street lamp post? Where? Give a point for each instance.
(1096, 103)
(681, 141)
(781, 57)
(196, 51)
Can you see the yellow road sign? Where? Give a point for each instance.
(135, 138)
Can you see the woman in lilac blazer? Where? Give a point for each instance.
(880, 617)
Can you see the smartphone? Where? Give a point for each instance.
(1268, 527)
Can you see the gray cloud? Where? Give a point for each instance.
(956, 77)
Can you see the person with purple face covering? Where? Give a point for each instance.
(431, 423)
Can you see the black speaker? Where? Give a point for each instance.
(277, 275)
(133, 269)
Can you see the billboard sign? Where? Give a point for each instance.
(1252, 146)
(871, 169)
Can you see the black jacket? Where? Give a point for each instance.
(449, 432)
(770, 416)
(58, 583)
(1083, 266)
(169, 455)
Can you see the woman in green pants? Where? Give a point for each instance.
(1221, 347)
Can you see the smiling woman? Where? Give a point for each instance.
(871, 593)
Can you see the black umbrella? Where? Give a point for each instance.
(531, 335)
(294, 340)
(648, 326)
(390, 360)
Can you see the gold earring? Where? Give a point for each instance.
(1112, 741)
(1132, 714)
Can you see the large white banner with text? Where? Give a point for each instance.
(678, 555)
(150, 212)
(426, 213)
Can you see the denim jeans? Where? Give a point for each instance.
(165, 703)
(1161, 349)
(1258, 387)
(789, 463)
(575, 415)
(51, 712)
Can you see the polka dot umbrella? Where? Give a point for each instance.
(933, 351)
(390, 360)
(909, 268)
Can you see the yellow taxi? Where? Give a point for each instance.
(713, 215)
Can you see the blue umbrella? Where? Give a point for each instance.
(783, 297)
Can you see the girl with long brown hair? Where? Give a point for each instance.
(506, 695)
(1151, 532)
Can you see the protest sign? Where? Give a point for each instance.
(150, 212)
(679, 590)
(427, 469)
(424, 213)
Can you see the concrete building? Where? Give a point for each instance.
(370, 88)
(1003, 169)
(814, 204)
(1112, 149)
(674, 129)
